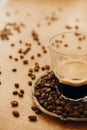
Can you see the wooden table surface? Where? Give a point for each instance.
(45, 18)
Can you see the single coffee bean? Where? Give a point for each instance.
(38, 111)
(22, 91)
(14, 103)
(15, 113)
(29, 83)
(25, 62)
(20, 94)
(14, 70)
(32, 118)
(15, 92)
(16, 85)
(33, 76)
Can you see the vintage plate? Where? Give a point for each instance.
(54, 114)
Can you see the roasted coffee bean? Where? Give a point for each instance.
(59, 112)
(48, 89)
(29, 83)
(20, 41)
(43, 68)
(20, 51)
(21, 56)
(12, 44)
(45, 105)
(25, 62)
(47, 67)
(41, 101)
(44, 51)
(20, 94)
(29, 74)
(39, 55)
(75, 114)
(14, 103)
(32, 57)
(10, 57)
(68, 27)
(31, 70)
(68, 108)
(15, 113)
(27, 50)
(65, 114)
(15, 92)
(22, 91)
(34, 108)
(16, 85)
(43, 95)
(38, 111)
(14, 70)
(32, 118)
(16, 59)
(33, 76)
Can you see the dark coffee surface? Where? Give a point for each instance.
(72, 92)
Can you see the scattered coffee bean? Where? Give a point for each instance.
(33, 76)
(47, 67)
(31, 70)
(26, 51)
(43, 68)
(20, 94)
(20, 51)
(36, 69)
(76, 27)
(68, 27)
(16, 59)
(39, 55)
(10, 57)
(44, 51)
(15, 113)
(38, 111)
(32, 57)
(25, 62)
(65, 45)
(12, 44)
(29, 83)
(32, 118)
(14, 103)
(16, 85)
(14, 70)
(33, 108)
(22, 91)
(15, 92)
(21, 57)
(79, 47)
(29, 74)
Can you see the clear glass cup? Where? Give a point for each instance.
(68, 53)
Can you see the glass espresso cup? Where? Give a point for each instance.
(68, 53)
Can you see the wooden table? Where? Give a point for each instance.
(45, 18)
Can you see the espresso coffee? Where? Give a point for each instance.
(72, 78)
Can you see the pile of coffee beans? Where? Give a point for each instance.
(50, 98)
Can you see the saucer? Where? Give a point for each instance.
(49, 100)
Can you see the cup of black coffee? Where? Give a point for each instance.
(68, 52)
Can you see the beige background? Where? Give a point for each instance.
(33, 12)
